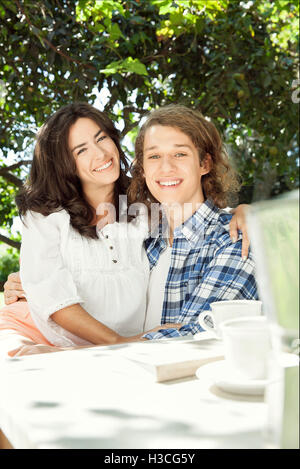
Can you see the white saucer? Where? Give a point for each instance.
(223, 377)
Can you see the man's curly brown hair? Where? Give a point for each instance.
(221, 181)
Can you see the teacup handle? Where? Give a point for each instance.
(203, 324)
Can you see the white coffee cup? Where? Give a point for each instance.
(224, 310)
(247, 346)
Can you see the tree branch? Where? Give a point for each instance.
(10, 242)
(127, 129)
(14, 166)
(11, 178)
(128, 124)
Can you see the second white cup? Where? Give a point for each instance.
(247, 343)
(223, 310)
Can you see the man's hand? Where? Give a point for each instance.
(238, 222)
(13, 290)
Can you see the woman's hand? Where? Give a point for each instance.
(238, 222)
(32, 349)
(139, 337)
(168, 325)
(13, 290)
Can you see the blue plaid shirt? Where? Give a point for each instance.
(205, 267)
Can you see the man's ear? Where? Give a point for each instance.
(206, 164)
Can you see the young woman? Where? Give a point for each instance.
(83, 287)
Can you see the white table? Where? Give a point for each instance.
(95, 398)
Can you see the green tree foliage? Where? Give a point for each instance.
(235, 61)
(9, 262)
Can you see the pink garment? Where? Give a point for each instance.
(17, 317)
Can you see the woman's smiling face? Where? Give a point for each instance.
(96, 155)
(172, 167)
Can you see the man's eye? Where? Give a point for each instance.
(180, 154)
(101, 138)
(153, 157)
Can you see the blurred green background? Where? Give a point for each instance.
(235, 61)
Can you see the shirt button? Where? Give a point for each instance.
(114, 260)
(111, 247)
(106, 236)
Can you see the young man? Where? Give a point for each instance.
(181, 163)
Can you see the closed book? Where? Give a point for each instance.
(173, 359)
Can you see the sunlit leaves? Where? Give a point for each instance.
(283, 24)
(125, 66)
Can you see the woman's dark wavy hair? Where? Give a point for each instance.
(53, 183)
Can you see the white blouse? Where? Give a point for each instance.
(107, 276)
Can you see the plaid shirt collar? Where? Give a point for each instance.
(192, 229)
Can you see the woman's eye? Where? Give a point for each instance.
(153, 157)
(82, 150)
(180, 154)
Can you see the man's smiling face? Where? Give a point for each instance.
(172, 166)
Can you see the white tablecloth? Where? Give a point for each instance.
(96, 398)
